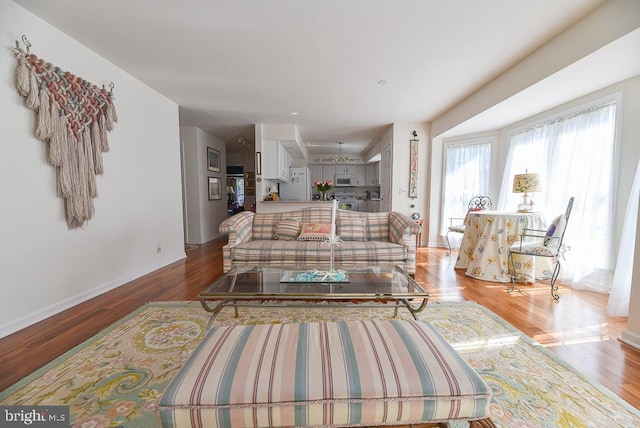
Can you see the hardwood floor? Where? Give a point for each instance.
(576, 328)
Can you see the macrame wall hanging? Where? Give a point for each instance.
(73, 117)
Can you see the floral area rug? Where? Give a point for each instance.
(116, 377)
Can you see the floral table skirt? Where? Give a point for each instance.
(485, 245)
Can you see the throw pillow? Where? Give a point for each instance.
(314, 232)
(556, 229)
(287, 229)
(352, 229)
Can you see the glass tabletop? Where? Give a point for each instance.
(263, 282)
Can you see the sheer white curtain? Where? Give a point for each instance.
(466, 174)
(621, 284)
(574, 155)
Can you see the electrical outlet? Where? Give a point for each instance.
(158, 248)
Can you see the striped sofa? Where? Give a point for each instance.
(325, 374)
(383, 238)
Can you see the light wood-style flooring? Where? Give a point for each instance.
(576, 328)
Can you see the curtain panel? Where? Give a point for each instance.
(574, 155)
(466, 174)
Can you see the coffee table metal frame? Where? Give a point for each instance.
(260, 286)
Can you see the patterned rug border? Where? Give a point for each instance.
(70, 353)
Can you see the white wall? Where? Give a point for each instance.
(400, 200)
(202, 216)
(44, 266)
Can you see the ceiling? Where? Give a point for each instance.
(340, 70)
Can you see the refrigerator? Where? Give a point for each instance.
(298, 188)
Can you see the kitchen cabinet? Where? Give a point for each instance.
(324, 172)
(370, 206)
(316, 173)
(276, 161)
(347, 169)
(329, 172)
(372, 174)
(360, 175)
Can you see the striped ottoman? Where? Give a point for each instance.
(347, 373)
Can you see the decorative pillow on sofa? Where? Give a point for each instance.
(352, 229)
(287, 229)
(314, 232)
(556, 228)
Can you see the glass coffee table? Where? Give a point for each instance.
(265, 286)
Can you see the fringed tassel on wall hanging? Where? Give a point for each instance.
(73, 117)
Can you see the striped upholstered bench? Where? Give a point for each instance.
(347, 373)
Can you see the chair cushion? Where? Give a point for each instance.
(458, 228)
(345, 373)
(536, 248)
(288, 229)
(352, 229)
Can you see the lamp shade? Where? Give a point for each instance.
(230, 190)
(526, 183)
(273, 189)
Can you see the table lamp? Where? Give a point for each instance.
(526, 183)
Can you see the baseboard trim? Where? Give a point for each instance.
(630, 338)
(49, 311)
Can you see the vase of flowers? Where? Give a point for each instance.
(323, 187)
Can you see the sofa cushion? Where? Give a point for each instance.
(378, 226)
(287, 229)
(311, 253)
(314, 232)
(352, 229)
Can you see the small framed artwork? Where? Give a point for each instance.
(215, 189)
(250, 175)
(213, 160)
(250, 183)
(250, 191)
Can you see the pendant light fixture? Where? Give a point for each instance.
(341, 158)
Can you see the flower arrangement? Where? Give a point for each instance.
(323, 186)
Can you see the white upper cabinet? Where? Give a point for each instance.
(372, 174)
(329, 172)
(276, 161)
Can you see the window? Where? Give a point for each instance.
(466, 174)
(574, 155)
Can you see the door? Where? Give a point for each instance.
(385, 179)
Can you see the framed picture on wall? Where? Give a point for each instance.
(215, 188)
(413, 168)
(213, 160)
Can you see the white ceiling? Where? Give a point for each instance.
(232, 63)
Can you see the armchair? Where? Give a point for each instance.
(545, 243)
